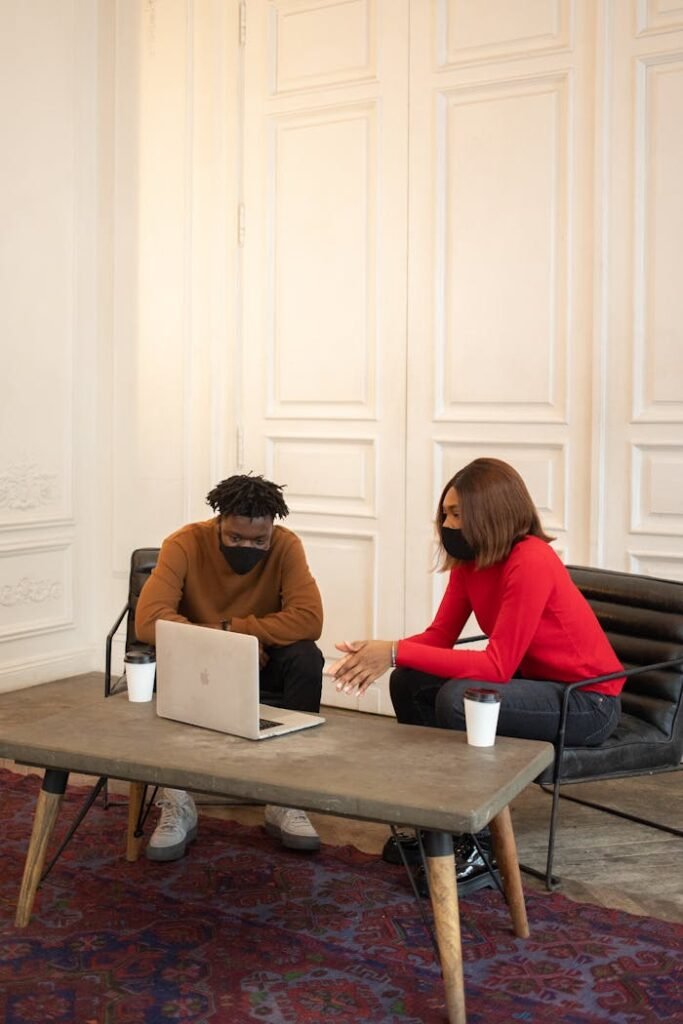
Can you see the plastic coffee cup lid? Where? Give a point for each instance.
(139, 657)
(483, 696)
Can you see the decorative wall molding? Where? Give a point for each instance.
(657, 488)
(303, 464)
(528, 213)
(36, 592)
(470, 32)
(24, 486)
(312, 317)
(542, 466)
(30, 591)
(322, 43)
(664, 565)
(654, 17)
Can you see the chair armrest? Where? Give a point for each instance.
(624, 673)
(107, 659)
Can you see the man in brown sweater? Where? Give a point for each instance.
(238, 571)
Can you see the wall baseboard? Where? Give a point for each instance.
(19, 675)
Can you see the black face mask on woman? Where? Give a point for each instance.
(456, 545)
(242, 560)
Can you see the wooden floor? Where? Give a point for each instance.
(600, 858)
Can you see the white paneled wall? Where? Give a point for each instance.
(640, 307)
(48, 333)
(501, 262)
(325, 292)
(352, 245)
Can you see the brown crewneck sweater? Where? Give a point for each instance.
(278, 601)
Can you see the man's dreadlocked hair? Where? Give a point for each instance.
(249, 496)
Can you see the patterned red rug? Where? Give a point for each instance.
(243, 931)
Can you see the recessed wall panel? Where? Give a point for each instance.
(343, 564)
(542, 467)
(36, 589)
(502, 259)
(323, 331)
(37, 269)
(303, 464)
(658, 489)
(659, 15)
(474, 30)
(659, 296)
(663, 566)
(328, 42)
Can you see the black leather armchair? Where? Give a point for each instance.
(643, 618)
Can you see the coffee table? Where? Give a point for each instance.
(355, 765)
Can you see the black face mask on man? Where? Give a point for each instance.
(242, 559)
(456, 545)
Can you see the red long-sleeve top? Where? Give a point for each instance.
(538, 625)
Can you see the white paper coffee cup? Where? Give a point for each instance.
(140, 672)
(481, 716)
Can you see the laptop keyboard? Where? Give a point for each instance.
(265, 723)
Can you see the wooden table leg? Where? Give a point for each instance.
(444, 893)
(136, 793)
(47, 809)
(505, 850)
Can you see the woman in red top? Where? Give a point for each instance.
(542, 634)
(541, 631)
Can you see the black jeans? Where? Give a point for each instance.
(530, 708)
(293, 677)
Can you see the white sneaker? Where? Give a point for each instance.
(291, 827)
(177, 825)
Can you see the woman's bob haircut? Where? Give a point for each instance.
(496, 511)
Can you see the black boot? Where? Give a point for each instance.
(470, 869)
(410, 845)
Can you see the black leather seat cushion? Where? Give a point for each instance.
(634, 747)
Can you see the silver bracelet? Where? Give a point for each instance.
(393, 654)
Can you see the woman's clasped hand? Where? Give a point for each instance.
(364, 661)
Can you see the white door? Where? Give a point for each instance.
(324, 277)
(500, 267)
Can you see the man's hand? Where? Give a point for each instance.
(263, 656)
(365, 661)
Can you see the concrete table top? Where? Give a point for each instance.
(354, 765)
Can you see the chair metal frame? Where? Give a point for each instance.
(547, 876)
(101, 784)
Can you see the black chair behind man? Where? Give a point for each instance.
(142, 561)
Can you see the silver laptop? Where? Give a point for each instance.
(210, 678)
